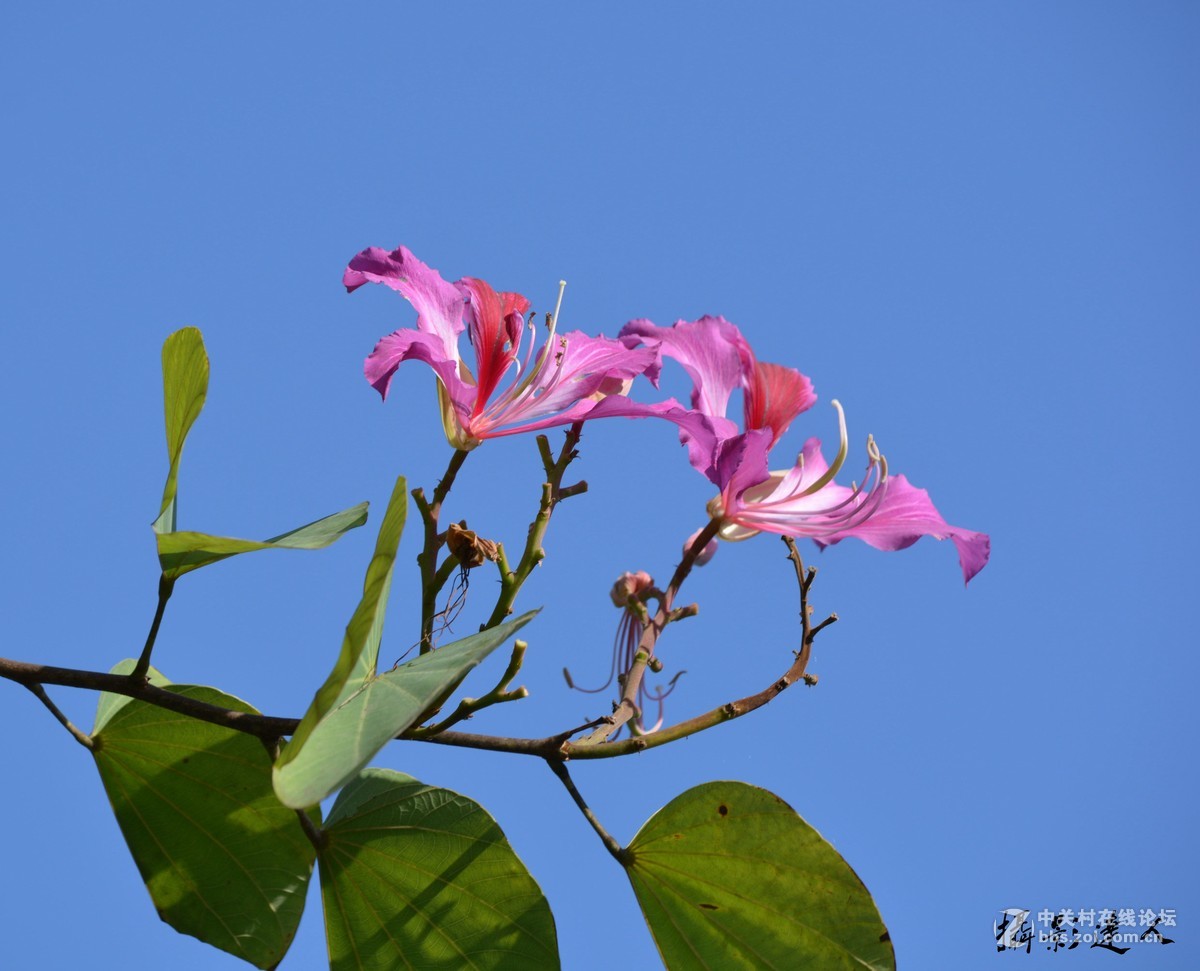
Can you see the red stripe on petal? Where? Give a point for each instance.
(775, 396)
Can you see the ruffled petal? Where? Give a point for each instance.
(439, 305)
(905, 515)
(711, 350)
(405, 345)
(775, 395)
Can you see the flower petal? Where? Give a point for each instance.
(700, 433)
(905, 515)
(775, 395)
(405, 345)
(439, 305)
(495, 324)
(711, 350)
(561, 388)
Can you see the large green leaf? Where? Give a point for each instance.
(223, 860)
(181, 552)
(110, 704)
(360, 645)
(730, 877)
(185, 386)
(349, 736)
(422, 878)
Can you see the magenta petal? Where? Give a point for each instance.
(905, 515)
(711, 350)
(405, 345)
(702, 434)
(740, 463)
(580, 367)
(439, 305)
(565, 387)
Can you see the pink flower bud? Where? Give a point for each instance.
(629, 587)
(707, 553)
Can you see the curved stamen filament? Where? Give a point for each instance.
(518, 388)
(532, 390)
(853, 510)
(839, 459)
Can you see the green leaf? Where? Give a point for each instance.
(349, 736)
(110, 704)
(223, 860)
(181, 552)
(422, 878)
(360, 645)
(730, 877)
(185, 385)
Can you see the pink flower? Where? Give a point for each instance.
(563, 382)
(885, 511)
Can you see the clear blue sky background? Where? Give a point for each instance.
(974, 224)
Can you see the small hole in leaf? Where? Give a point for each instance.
(709, 907)
(723, 809)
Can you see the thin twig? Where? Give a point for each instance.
(165, 586)
(553, 493)
(433, 579)
(40, 693)
(620, 854)
(627, 708)
(551, 748)
(469, 706)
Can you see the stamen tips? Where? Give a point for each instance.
(562, 285)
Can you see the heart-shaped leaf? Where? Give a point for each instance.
(223, 860)
(422, 878)
(349, 736)
(730, 877)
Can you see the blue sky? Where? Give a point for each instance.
(976, 225)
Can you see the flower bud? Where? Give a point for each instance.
(630, 586)
(707, 553)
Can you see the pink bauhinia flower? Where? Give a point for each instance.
(560, 383)
(885, 511)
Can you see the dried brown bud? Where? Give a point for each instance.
(810, 679)
(468, 548)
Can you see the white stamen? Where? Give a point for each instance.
(839, 459)
(562, 285)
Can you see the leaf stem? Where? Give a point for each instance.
(619, 853)
(40, 693)
(165, 586)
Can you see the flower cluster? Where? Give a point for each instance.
(575, 377)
